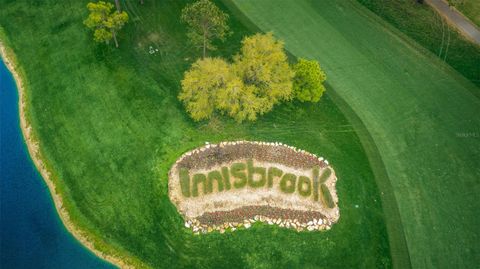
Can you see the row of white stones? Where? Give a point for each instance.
(231, 143)
(313, 225)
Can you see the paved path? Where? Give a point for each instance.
(454, 17)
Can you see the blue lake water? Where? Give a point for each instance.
(31, 233)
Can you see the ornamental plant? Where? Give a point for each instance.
(206, 23)
(104, 22)
(308, 81)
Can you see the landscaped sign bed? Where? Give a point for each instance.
(233, 184)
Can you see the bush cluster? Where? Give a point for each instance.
(258, 78)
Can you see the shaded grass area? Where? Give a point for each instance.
(417, 110)
(421, 23)
(110, 127)
(469, 8)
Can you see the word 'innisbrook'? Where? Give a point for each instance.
(234, 184)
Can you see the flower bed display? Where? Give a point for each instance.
(234, 184)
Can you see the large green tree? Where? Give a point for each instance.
(308, 81)
(206, 23)
(238, 100)
(262, 64)
(104, 22)
(201, 84)
(259, 78)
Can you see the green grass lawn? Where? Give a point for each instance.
(422, 116)
(110, 127)
(469, 8)
(429, 29)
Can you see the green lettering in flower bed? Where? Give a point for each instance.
(247, 173)
(325, 175)
(315, 173)
(287, 183)
(219, 189)
(272, 173)
(185, 182)
(327, 197)
(226, 178)
(214, 175)
(252, 170)
(237, 171)
(197, 179)
(304, 186)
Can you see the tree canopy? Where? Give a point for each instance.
(104, 22)
(238, 100)
(201, 84)
(262, 64)
(308, 81)
(206, 22)
(258, 78)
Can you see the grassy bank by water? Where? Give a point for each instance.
(422, 116)
(110, 126)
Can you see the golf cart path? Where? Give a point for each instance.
(457, 19)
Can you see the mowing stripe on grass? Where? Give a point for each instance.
(419, 112)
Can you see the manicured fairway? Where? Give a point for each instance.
(424, 25)
(110, 127)
(420, 113)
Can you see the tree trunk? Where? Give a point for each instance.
(117, 4)
(141, 2)
(115, 38)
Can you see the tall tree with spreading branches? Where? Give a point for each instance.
(201, 85)
(206, 22)
(105, 23)
(262, 64)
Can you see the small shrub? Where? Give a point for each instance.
(237, 171)
(185, 182)
(325, 175)
(226, 178)
(287, 183)
(214, 176)
(252, 170)
(272, 173)
(302, 183)
(327, 197)
(308, 79)
(315, 173)
(197, 179)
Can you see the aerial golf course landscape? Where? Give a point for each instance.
(249, 133)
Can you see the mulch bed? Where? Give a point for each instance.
(216, 155)
(249, 212)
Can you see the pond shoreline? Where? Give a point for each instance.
(35, 155)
